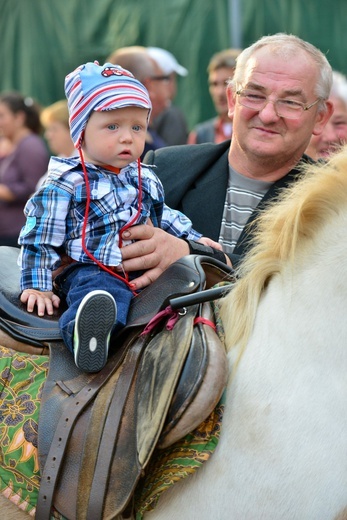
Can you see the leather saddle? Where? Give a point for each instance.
(97, 432)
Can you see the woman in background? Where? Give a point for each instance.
(20, 169)
(55, 121)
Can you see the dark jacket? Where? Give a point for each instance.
(205, 131)
(195, 179)
(171, 126)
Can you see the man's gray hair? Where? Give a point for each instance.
(286, 46)
(339, 88)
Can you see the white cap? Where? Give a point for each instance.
(166, 61)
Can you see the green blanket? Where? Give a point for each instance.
(22, 377)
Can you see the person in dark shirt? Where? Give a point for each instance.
(23, 166)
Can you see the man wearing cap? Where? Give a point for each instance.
(171, 123)
(85, 205)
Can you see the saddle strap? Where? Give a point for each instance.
(35, 336)
(75, 406)
(111, 430)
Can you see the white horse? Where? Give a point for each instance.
(283, 447)
(282, 454)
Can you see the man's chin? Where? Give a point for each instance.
(265, 148)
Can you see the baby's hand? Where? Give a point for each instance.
(209, 242)
(44, 300)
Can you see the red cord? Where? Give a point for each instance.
(124, 279)
(205, 321)
(139, 205)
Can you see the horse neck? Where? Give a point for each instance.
(306, 302)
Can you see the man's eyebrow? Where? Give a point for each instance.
(286, 92)
(254, 86)
(294, 92)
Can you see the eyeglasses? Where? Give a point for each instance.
(160, 78)
(283, 107)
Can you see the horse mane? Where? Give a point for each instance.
(282, 231)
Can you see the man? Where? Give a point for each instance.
(278, 98)
(334, 134)
(170, 124)
(220, 70)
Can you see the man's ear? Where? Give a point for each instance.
(231, 97)
(322, 118)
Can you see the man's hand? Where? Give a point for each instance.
(209, 242)
(153, 251)
(44, 300)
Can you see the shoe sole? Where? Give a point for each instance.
(95, 319)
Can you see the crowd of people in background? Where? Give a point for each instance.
(30, 134)
(22, 165)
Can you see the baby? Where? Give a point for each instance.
(83, 207)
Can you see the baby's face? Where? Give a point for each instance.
(115, 137)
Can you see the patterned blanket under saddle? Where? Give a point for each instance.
(22, 377)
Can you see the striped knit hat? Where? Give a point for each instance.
(94, 87)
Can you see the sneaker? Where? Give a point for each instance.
(95, 318)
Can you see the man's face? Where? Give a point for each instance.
(334, 134)
(217, 82)
(159, 93)
(339, 118)
(262, 136)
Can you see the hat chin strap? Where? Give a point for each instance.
(124, 278)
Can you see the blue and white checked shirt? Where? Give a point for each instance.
(55, 215)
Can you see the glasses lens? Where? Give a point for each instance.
(283, 107)
(252, 100)
(160, 78)
(289, 109)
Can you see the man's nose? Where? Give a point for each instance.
(268, 112)
(330, 135)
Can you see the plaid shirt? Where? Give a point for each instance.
(55, 217)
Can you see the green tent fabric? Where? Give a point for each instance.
(43, 40)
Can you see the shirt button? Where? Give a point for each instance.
(94, 192)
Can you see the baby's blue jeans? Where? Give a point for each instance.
(79, 279)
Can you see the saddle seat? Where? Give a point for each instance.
(97, 431)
